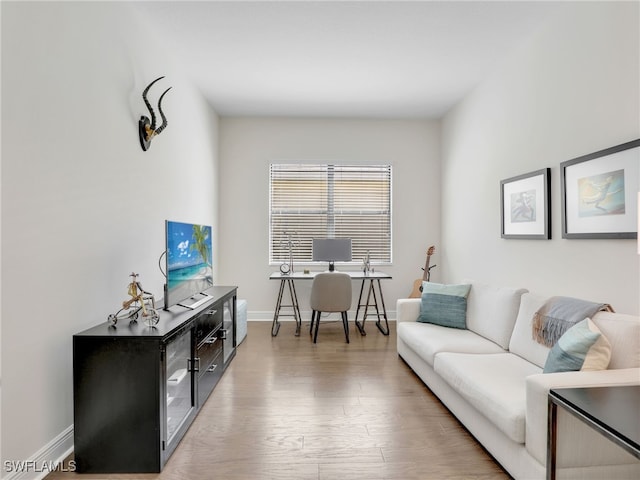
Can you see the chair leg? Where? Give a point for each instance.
(315, 335)
(313, 316)
(345, 322)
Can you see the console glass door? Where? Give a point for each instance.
(179, 388)
(227, 324)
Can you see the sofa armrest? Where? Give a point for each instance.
(538, 386)
(407, 309)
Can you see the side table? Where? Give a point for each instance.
(612, 411)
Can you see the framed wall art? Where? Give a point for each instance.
(598, 193)
(525, 206)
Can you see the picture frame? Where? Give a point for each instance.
(598, 193)
(525, 203)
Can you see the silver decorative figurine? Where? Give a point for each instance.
(140, 300)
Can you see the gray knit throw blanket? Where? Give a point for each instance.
(559, 314)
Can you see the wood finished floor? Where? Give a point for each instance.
(288, 409)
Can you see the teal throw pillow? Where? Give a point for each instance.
(444, 305)
(582, 347)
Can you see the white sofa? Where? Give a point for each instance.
(490, 377)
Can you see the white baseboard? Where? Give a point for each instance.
(43, 462)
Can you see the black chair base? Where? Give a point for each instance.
(315, 320)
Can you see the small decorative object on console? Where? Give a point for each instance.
(140, 300)
(290, 242)
(366, 263)
(285, 268)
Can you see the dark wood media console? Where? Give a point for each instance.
(136, 389)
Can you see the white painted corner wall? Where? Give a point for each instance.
(249, 145)
(573, 89)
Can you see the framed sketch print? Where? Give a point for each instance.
(525, 206)
(599, 193)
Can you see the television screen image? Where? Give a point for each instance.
(189, 262)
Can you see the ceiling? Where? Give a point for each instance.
(375, 59)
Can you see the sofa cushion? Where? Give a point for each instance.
(427, 340)
(494, 384)
(623, 333)
(582, 347)
(621, 330)
(492, 311)
(444, 305)
(522, 342)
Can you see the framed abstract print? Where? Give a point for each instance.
(525, 206)
(599, 193)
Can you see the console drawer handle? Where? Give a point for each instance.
(211, 341)
(212, 368)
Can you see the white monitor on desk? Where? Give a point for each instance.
(331, 250)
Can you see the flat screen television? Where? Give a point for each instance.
(331, 250)
(189, 265)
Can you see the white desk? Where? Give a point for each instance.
(287, 279)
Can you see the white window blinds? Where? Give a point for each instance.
(330, 201)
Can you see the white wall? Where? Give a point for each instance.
(249, 145)
(82, 204)
(572, 90)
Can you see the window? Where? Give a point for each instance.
(335, 201)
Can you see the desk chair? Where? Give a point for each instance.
(330, 292)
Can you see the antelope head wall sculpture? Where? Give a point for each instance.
(147, 127)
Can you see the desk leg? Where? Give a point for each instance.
(385, 331)
(372, 291)
(275, 326)
(360, 326)
(552, 435)
(295, 306)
